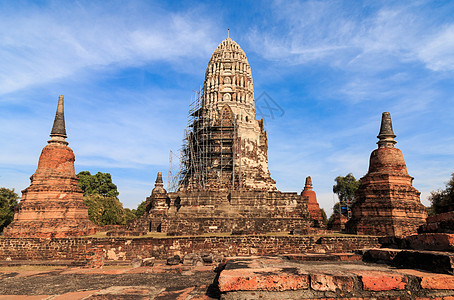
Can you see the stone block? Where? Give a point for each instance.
(381, 281)
(148, 262)
(173, 260)
(438, 262)
(380, 255)
(263, 279)
(192, 259)
(431, 241)
(331, 282)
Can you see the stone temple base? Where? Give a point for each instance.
(50, 229)
(251, 212)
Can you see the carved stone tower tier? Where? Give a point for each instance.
(387, 203)
(226, 147)
(52, 206)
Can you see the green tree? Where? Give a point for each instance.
(101, 198)
(345, 188)
(107, 210)
(8, 201)
(324, 218)
(140, 209)
(98, 184)
(442, 200)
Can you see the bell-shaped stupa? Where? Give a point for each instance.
(52, 206)
(386, 202)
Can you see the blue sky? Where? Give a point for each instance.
(128, 70)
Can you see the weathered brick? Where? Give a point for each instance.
(267, 279)
(381, 281)
(331, 282)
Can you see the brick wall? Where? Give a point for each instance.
(118, 248)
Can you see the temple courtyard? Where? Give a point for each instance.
(304, 276)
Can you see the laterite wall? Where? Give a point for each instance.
(119, 248)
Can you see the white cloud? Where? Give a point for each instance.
(438, 52)
(39, 46)
(350, 39)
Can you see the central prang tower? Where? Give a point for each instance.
(224, 185)
(225, 146)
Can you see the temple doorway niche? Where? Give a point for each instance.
(178, 203)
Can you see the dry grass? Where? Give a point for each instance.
(162, 235)
(30, 268)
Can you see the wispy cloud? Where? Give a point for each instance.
(369, 37)
(40, 45)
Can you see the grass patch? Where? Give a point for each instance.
(162, 235)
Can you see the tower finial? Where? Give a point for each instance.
(58, 133)
(158, 186)
(308, 181)
(228, 32)
(386, 135)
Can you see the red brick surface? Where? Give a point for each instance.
(381, 281)
(431, 241)
(330, 282)
(52, 206)
(268, 279)
(336, 279)
(118, 248)
(387, 204)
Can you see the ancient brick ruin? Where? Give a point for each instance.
(226, 147)
(225, 184)
(387, 203)
(52, 206)
(312, 205)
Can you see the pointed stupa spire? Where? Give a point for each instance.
(308, 184)
(386, 135)
(158, 186)
(58, 133)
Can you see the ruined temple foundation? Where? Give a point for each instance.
(52, 206)
(387, 203)
(237, 212)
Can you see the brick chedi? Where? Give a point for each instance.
(387, 203)
(225, 183)
(52, 206)
(312, 205)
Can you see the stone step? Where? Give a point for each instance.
(279, 278)
(323, 257)
(425, 241)
(434, 261)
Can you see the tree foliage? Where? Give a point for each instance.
(101, 198)
(107, 210)
(8, 201)
(140, 209)
(98, 184)
(443, 200)
(345, 188)
(324, 218)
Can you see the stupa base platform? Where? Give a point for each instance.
(50, 229)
